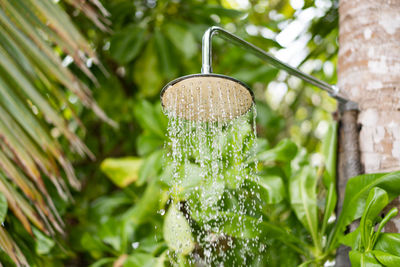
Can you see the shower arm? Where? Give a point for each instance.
(333, 90)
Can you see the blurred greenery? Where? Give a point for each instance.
(123, 216)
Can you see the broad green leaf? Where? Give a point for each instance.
(246, 227)
(110, 233)
(147, 206)
(102, 262)
(105, 206)
(127, 44)
(143, 260)
(147, 143)
(303, 199)
(271, 188)
(150, 167)
(264, 43)
(218, 10)
(388, 242)
(92, 243)
(356, 194)
(122, 171)
(190, 177)
(211, 191)
(386, 259)
(43, 243)
(352, 239)
(362, 259)
(149, 118)
(177, 232)
(264, 73)
(182, 38)
(284, 151)
(376, 201)
(146, 74)
(3, 207)
(168, 63)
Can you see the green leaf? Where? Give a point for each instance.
(352, 239)
(150, 118)
(246, 227)
(122, 171)
(388, 242)
(151, 167)
(91, 242)
(284, 151)
(303, 199)
(329, 151)
(110, 233)
(264, 73)
(219, 10)
(356, 194)
(147, 143)
(177, 232)
(168, 63)
(190, 177)
(3, 207)
(102, 262)
(376, 201)
(144, 260)
(43, 243)
(272, 189)
(146, 74)
(363, 259)
(147, 206)
(386, 259)
(182, 38)
(391, 214)
(126, 44)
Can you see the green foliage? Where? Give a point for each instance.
(37, 118)
(123, 171)
(177, 232)
(123, 214)
(369, 249)
(3, 207)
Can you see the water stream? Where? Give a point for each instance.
(213, 179)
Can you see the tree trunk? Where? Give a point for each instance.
(369, 72)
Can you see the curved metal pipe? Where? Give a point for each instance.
(333, 90)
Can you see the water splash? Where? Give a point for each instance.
(211, 173)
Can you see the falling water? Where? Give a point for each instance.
(212, 170)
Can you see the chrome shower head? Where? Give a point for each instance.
(206, 98)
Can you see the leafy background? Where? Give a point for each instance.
(120, 215)
(154, 42)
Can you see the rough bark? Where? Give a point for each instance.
(349, 165)
(369, 72)
(348, 153)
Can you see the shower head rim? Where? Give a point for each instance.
(173, 82)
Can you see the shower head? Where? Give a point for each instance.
(211, 97)
(206, 98)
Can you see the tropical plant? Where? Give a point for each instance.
(370, 247)
(37, 116)
(129, 219)
(297, 202)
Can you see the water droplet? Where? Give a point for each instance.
(135, 245)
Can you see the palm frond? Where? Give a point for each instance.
(34, 85)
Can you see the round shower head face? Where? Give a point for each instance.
(206, 98)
